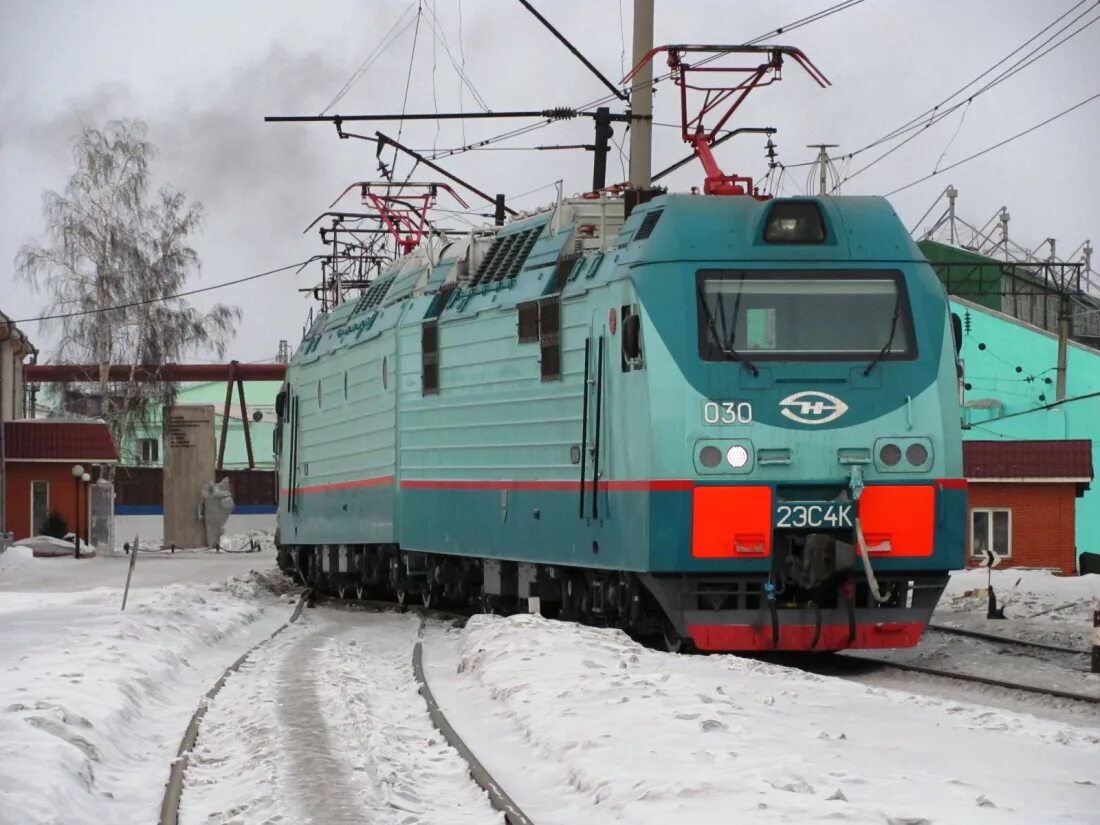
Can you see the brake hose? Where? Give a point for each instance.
(865, 557)
(856, 484)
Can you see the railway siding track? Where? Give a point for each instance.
(1044, 651)
(173, 788)
(1007, 640)
(498, 797)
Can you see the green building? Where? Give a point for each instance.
(147, 448)
(1010, 354)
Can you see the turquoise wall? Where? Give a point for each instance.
(1011, 362)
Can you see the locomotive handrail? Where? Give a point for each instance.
(596, 439)
(584, 421)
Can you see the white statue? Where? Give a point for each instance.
(215, 506)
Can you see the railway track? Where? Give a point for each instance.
(1005, 640)
(173, 788)
(497, 796)
(1063, 661)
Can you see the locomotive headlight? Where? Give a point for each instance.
(710, 456)
(889, 454)
(737, 456)
(916, 454)
(903, 454)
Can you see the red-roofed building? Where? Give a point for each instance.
(39, 455)
(1022, 499)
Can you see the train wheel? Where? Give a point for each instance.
(402, 595)
(340, 592)
(359, 591)
(428, 596)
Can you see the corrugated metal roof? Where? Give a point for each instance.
(1068, 458)
(53, 440)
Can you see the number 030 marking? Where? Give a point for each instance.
(727, 412)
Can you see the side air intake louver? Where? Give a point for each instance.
(648, 223)
(505, 257)
(375, 292)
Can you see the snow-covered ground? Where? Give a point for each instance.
(94, 701)
(583, 725)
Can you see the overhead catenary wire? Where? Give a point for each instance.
(997, 145)
(163, 298)
(388, 39)
(919, 124)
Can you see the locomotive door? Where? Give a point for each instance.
(593, 437)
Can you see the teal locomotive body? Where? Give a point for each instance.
(728, 421)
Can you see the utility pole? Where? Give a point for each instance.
(822, 166)
(1063, 282)
(1004, 218)
(641, 98)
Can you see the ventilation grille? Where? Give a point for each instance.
(374, 293)
(505, 257)
(648, 224)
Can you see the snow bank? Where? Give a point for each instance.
(1030, 592)
(643, 737)
(1039, 605)
(93, 701)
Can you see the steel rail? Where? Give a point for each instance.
(970, 677)
(498, 797)
(1007, 640)
(173, 788)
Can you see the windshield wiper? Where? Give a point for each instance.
(725, 349)
(889, 341)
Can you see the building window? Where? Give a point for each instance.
(150, 451)
(40, 506)
(991, 530)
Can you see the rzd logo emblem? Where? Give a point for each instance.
(812, 407)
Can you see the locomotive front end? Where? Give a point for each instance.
(812, 371)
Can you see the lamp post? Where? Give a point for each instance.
(87, 479)
(78, 476)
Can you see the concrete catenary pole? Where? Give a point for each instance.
(822, 166)
(641, 99)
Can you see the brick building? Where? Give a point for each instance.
(39, 455)
(1022, 500)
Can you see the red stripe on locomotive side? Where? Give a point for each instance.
(379, 481)
(659, 484)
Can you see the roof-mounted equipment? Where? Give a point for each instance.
(721, 97)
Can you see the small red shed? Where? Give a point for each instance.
(1022, 500)
(39, 456)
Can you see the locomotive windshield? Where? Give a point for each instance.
(802, 315)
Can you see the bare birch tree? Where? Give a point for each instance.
(114, 254)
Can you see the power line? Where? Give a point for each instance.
(163, 298)
(996, 145)
(387, 40)
(919, 125)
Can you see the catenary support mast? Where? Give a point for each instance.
(641, 98)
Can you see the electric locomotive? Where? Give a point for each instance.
(727, 421)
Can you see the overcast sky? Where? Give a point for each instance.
(203, 74)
